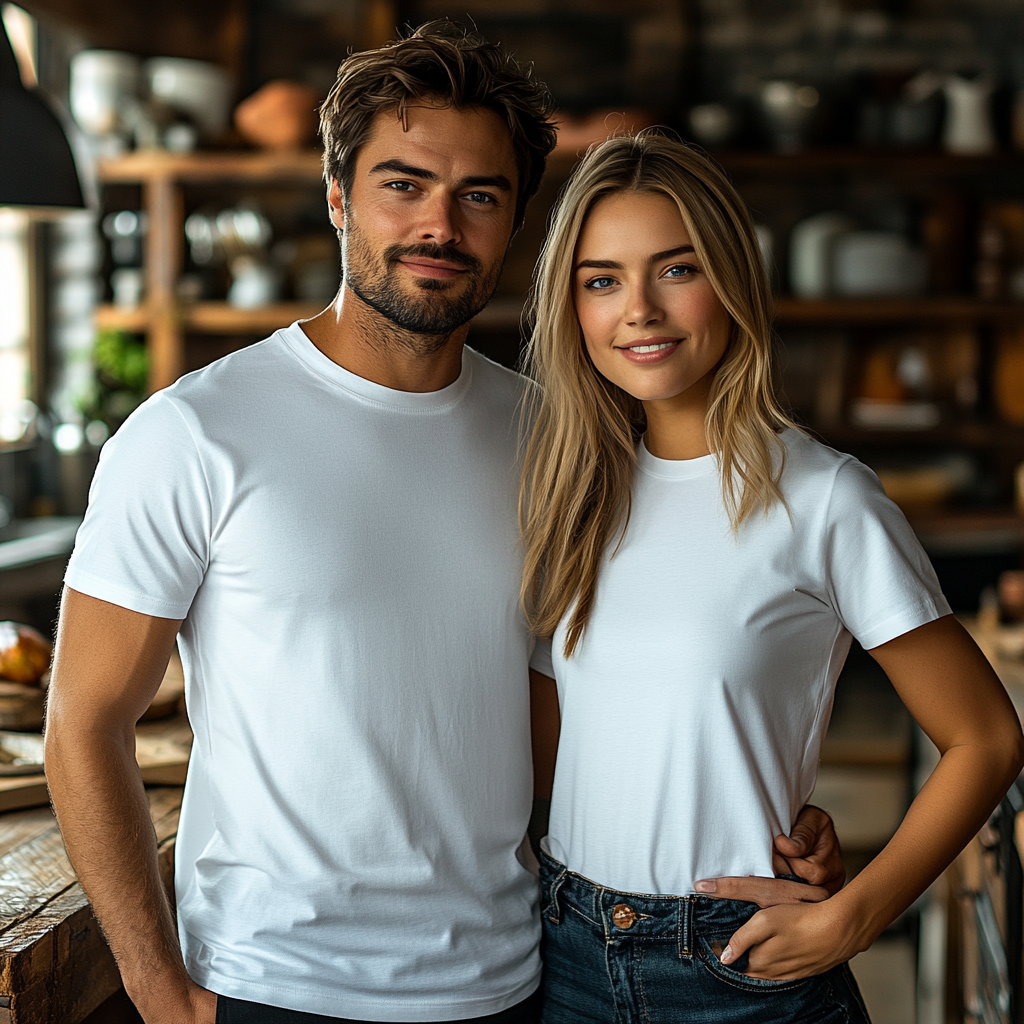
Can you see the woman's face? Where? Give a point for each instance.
(652, 323)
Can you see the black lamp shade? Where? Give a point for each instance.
(36, 165)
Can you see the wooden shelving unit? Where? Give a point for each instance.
(163, 319)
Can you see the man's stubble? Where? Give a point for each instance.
(425, 320)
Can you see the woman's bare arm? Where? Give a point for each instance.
(953, 694)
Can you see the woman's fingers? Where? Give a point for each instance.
(765, 892)
(756, 930)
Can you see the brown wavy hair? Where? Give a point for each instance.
(580, 454)
(443, 62)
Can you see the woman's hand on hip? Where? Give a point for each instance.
(810, 852)
(794, 941)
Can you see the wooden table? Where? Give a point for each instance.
(55, 965)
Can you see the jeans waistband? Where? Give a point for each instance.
(618, 915)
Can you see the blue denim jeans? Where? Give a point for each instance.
(624, 958)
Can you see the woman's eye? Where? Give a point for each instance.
(598, 284)
(682, 270)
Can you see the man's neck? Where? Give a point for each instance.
(358, 338)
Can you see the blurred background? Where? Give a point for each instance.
(879, 143)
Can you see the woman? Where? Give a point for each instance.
(702, 567)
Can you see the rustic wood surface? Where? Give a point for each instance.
(55, 966)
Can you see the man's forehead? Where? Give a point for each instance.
(467, 140)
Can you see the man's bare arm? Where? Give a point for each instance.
(108, 664)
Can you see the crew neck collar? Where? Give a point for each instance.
(674, 469)
(410, 401)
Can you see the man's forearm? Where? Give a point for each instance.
(103, 814)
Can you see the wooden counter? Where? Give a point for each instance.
(55, 965)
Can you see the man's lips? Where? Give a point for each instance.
(423, 267)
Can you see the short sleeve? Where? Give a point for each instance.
(144, 543)
(879, 578)
(540, 659)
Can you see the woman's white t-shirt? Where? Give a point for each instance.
(694, 707)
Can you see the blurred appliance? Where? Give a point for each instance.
(104, 83)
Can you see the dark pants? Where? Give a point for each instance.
(621, 958)
(238, 1011)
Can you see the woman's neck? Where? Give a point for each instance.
(675, 426)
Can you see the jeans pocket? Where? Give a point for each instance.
(737, 979)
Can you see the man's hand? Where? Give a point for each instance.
(810, 852)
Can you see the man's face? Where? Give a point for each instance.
(429, 216)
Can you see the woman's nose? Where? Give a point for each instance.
(641, 309)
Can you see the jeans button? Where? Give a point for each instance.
(623, 915)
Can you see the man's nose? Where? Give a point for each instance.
(439, 222)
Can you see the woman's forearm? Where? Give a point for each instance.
(966, 785)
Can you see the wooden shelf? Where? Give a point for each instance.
(971, 434)
(933, 162)
(213, 317)
(248, 166)
(792, 311)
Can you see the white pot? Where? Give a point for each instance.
(811, 252)
(100, 82)
(196, 88)
(878, 263)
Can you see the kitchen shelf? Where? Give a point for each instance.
(792, 311)
(905, 162)
(244, 165)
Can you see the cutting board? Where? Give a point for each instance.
(161, 748)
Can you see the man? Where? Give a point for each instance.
(326, 521)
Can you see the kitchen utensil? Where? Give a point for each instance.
(127, 284)
(811, 253)
(100, 82)
(253, 283)
(968, 127)
(712, 124)
(788, 110)
(878, 263)
(194, 87)
(280, 115)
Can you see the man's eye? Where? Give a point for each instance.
(597, 284)
(480, 197)
(400, 186)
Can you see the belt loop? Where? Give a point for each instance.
(685, 927)
(554, 913)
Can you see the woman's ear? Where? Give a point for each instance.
(336, 205)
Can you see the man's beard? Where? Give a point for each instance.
(432, 314)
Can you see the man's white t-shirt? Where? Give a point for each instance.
(346, 561)
(694, 707)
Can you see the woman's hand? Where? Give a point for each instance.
(795, 941)
(811, 852)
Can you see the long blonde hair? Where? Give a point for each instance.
(580, 454)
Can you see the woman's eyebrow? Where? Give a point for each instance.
(666, 254)
(679, 250)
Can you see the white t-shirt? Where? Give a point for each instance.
(346, 560)
(694, 707)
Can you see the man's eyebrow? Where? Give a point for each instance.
(394, 166)
(398, 167)
(488, 181)
(666, 254)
